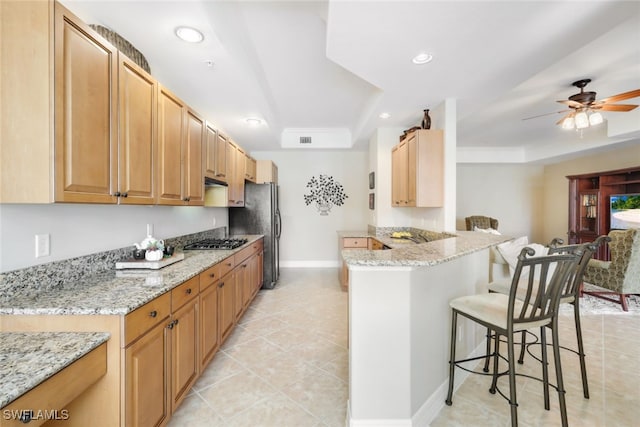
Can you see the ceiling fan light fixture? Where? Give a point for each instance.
(190, 35)
(595, 119)
(569, 123)
(582, 120)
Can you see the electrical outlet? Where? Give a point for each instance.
(43, 245)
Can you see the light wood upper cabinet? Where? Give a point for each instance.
(137, 142)
(215, 154)
(180, 177)
(86, 69)
(249, 168)
(266, 171)
(193, 191)
(170, 132)
(418, 170)
(236, 164)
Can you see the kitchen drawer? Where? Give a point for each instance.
(257, 246)
(226, 265)
(146, 317)
(242, 255)
(210, 276)
(180, 295)
(375, 245)
(354, 242)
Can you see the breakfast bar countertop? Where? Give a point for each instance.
(406, 253)
(113, 292)
(29, 358)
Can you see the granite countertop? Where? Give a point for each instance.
(115, 292)
(410, 254)
(29, 358)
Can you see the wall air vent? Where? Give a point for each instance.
(316, 138)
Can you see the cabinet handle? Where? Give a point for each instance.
(244, 265)
(228, 264)
(175, 322)
(186, 199)
(221, 284)
(125, 194)
(154, 313)
(116, 194)
(171, 325)
(188, 291)
(212, 275)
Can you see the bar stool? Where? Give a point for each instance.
(569, 295)
(540, 280)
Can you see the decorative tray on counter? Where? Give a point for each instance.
(149, 265)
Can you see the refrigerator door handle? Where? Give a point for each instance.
(278, 224)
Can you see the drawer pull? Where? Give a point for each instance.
(188, 291)
(221, 284)
(228, 264)
(172, 324)
(212, 275)
(154, 313)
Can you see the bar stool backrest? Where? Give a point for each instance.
(537, 283)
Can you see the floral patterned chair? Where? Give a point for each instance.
(480, 221)
(621, 275)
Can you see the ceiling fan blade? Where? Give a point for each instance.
(621, 96)
(571, 103)
(546, 114)
(615, 107)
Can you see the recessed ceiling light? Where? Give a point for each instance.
(422, 58)
(189, 34)
(253, 121)
(384, 115)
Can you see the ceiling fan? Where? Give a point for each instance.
(585, 109)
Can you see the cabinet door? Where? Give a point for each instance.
(239, 172)
(209, 342)
(232, 154)
(238, 301)
(210, 151)
(411, 172)
(170, 132)
(259, 271)
(184, 355)
(226, 315)
(137, 125)
(192, 160)
(403, 174)
(86, 68)
(221, 158)
(146, 379)
(248, 285)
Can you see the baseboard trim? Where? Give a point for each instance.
(309, 264)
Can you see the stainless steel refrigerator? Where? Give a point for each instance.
(261, 215)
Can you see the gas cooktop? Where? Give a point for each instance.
(230, 243)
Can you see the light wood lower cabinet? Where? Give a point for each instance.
(209, 330)
(146, 379)
(226, 297)
(184, 351)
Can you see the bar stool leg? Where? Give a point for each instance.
(545, 367)
(513, 402)
(452, 356)
(496, 356)
(488, 352)
(583, 365)
(523, 347)
(560, 382)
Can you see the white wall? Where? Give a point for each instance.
(511, 193)
(80, 229)
(309, 239)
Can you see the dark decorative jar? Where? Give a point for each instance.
(426, 120)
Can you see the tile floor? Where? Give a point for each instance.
(286, 364)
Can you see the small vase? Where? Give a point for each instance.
(426, 121)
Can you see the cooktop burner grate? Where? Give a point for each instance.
(208, 244)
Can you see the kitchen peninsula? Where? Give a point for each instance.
(399, 321)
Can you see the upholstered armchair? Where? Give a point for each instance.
(621, 275)
(480, 222)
